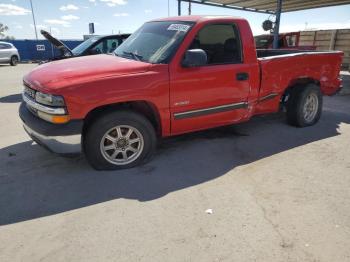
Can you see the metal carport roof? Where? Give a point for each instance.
(270, 6)
(275, 7)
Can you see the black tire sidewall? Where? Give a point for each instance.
(94, 134)
(14, 60)
(297, 105)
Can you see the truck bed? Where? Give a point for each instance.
(280, 69)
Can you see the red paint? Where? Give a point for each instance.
(93, 81)
(284, 44)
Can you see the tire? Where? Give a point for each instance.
(14, 60)
(106, 141)
(304, 107)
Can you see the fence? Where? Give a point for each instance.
(36, 50)
(338, 39)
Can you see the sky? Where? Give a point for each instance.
(69, 19)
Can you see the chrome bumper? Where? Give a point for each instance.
(58, 144)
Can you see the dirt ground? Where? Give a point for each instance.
(277, 193)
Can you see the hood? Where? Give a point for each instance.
(57, 43)
(79, 70)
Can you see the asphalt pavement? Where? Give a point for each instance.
(277, 193)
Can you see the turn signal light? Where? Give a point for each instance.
(60, 119)
(56, 119)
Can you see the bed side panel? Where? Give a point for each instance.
(280, 72)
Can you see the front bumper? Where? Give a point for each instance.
(57, 138)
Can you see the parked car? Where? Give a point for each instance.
(9, 53)
(172, 76)
(286, 41)
(92, 46)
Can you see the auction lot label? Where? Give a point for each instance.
(178, 27)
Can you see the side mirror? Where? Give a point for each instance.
(194, 57)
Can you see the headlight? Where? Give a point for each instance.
(49, 100)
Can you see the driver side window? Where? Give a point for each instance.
(106, 46)
(97, 49)
(220, 42)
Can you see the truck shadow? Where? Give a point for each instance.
(16, 98)
(34, 183)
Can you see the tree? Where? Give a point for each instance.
(3, 28)
(9, 37)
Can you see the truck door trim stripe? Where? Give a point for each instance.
(268, 97)
(210, 110)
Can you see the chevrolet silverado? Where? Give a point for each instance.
(172, 76)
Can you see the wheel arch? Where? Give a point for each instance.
(142, 107)
(295, 84)
(14, 55)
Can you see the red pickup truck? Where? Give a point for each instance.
(171, 76)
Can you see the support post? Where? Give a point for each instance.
(333, 40)
(179, 7)
(168, 8)
(277, 24)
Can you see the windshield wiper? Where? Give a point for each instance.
(135, 56)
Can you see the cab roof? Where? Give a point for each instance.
(198, 18)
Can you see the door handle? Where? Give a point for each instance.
(242, 76)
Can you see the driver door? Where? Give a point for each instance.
(214, 94)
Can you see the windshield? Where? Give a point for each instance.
(84, 45)
(263, 41)
(154, 42)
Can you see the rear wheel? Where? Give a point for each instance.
(304, 107)
(14, 60)
(119, 140)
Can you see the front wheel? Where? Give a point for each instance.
(119, 140)
(304, 107)
(14, 60)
